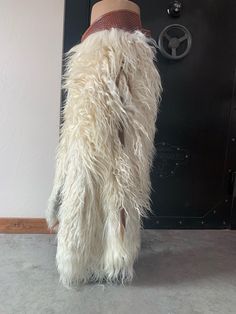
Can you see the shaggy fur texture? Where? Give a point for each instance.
(102, 184)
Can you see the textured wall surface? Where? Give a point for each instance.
(31, 33)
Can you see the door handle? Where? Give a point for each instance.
(169, 44)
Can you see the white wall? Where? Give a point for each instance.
(31, 33)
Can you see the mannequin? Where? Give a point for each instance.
(107, 14)
(102, 185)
(105, 6)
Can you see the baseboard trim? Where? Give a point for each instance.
(23, 225)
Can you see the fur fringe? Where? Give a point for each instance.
(102, 186)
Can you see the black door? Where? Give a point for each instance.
(194, 169)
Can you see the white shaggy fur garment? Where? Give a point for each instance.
(102, 184)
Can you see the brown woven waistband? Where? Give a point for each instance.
(123, 19)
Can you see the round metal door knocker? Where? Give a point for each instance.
(175, 41)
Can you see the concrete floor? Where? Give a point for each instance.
(178, 272)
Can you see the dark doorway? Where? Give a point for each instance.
(193, 177)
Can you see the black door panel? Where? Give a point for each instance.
(196, 147)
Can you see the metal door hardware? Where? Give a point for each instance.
(175, 41)
(175, 8)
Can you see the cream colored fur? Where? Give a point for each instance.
(110, 80)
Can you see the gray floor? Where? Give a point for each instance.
(178, 272)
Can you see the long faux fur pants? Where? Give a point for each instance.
(102, 186)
